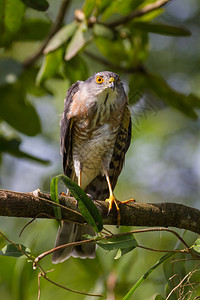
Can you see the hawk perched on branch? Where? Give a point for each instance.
(95, 135)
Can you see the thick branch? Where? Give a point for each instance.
(38, 205)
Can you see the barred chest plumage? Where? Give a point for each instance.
(94, 139)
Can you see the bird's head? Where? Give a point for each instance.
(104, 82)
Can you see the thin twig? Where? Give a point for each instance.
(108, 64)
(55, 27)
(138, 13)
(59, 205)
(43, 273)
(71, 290)
(178, 285)
(187, 250)
(161, 250)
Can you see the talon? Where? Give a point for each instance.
(112, 200)
(127, 201)
(90, 196)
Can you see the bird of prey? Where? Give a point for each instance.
(95, 135)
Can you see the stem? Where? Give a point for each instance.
(138, 13)
(139, 282)
(55, 27)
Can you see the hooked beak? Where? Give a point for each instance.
(111, 83)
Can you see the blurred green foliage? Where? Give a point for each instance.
(157, 56)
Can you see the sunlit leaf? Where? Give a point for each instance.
(54, 197)
(122, 252)
(88, 7)
(120, 7)
(161, 29)
(12, 146)
(50, 65)
(11, 250)
(150, 15)
(61, 37)
(196, 245)
(86, 206)
(40, 5)
(78, 41)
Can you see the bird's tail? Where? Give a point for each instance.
(70, 232)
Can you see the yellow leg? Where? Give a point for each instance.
(112, 199)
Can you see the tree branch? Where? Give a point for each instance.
(38, 205)
(55, 27)
(102, 60)
(138, 13)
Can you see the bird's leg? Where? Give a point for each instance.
(112, 199)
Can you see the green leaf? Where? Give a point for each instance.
(10, 70)
(12, 146)
(121, 242)
(78, 41)
(196, 245)
(40, 5)
(184, 103)
(113, 49)
(138, 49)
(61, 37)
(17, 111)
(86, 206)
(11, 250)
(54, 197)
(88, 7)
(73, 73)
(159, 297)
(50, 65)
(150, 15)
(161, 29)
(103, 31)
(33, 30)
(122, 252)
(120, 7)
(140, 281)
(101, 6)
(11, 13)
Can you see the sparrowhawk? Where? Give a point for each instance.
(95, 135)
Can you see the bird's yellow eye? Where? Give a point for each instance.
(99, 79)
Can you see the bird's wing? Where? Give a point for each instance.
(98, 188)
(66, 129)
